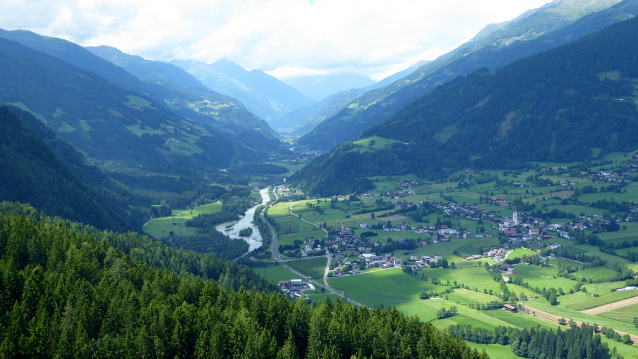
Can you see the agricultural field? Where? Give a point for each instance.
(537, 192)
(275, 273)
(314, 267)
(161, 227)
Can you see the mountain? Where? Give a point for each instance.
(554, 106)
(306, 118)
(264, 95)
(493, 47)
(200, 105)
(395, 77)
(115, 127)
(302, 120)
(146, 69)
(32, 173)
(318, 87)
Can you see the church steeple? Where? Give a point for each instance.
(515, 217)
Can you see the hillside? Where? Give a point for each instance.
(318, 87)
(32, 173)
(185, 95)
(531, 33)
(221, 112)
(111, 125)
(264, 95)
(101, 300)
(146, 69)
(554, 106)
(304, 119)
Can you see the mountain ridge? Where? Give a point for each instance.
(552, 106)
(375, 106)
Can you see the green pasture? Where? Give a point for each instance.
(630, 234)
(569, 313)
(389, 287)
(595, 274)
(542, 277)
(290, 238)
(288, 225)
(465, 297)
(494, 350)
(161, 227)
(474, 277)
(314, 267)
(275, 273)
(577, 209)
(582, 301)
(603, 288)
(624, 314)
(631, 194)
(517, 289)
(280, 209)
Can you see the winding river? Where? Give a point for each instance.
(254, 241)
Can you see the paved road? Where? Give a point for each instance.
(274, 249)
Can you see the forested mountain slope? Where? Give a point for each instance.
(32, 173)
(109, 124)
(535, 31)
(68, 291)
(264, 95)
(554, 106)
(185, 95)
(205, 106)
(146, 69)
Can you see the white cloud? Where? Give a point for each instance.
(283, 37)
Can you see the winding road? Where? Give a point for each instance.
(274, 249)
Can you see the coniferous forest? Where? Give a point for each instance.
(70, 291)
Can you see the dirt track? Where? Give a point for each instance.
(611, 306)
(554, 319)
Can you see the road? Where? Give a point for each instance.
(554, 319)
(274, 249)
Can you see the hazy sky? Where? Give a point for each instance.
(283, 37)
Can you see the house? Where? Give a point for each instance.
(510, 308)
(507, 268)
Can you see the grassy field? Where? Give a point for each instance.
(161, 227)
(275, 273)
(542, 277)
(595, 274)
(625, 314)
(389, 287)
(568, 313)
(465, 297)
(582, 301)
(280, 209)
(475, 278)
(495, 350)
(314, 267)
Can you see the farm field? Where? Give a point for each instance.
(495, 350)
(275, 273)
(161, 227)
(624, 314)
(567, 313)
(595, 274)
(314, 267)
(542, 277)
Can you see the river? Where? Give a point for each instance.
(254, 241)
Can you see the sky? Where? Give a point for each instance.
(285, 38)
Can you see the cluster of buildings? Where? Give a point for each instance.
(294, 287)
